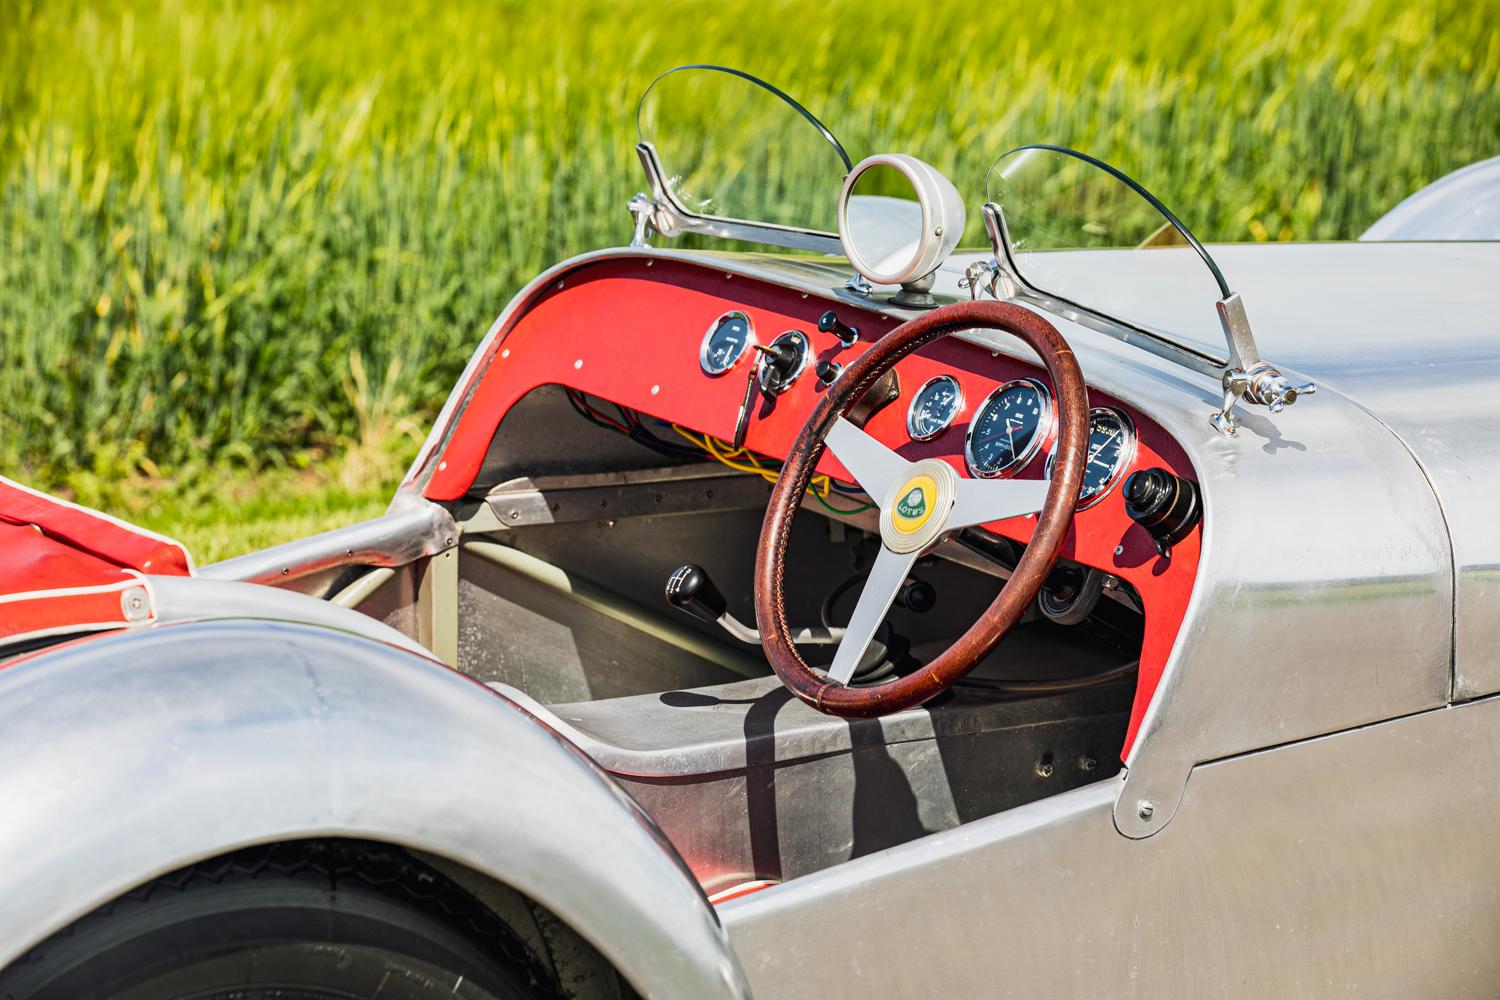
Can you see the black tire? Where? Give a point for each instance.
(323, 921)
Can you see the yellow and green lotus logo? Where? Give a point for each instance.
(915, 505)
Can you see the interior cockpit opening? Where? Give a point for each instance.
(566, 558)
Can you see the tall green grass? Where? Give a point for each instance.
(257, 233)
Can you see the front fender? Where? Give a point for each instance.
(126, 756)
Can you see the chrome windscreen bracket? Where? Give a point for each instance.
(670, 217)
(1248, 377)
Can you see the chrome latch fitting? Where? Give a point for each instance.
(981, 274)
(1261, 384)
(643, 210)
(1249, 378)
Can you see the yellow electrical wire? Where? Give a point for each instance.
(742, 460)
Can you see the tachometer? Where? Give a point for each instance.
(1110, 452)
(933, 408)
(725, 343)
(1008, 428)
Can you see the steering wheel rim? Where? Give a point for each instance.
(947, 502)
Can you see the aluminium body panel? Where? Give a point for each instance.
(187, 599)
(1412, 333)
(1463, 205)
(134, 754)
(1324, 597)
(1356, 865)
(1409, 332)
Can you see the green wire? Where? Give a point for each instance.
(830, 507)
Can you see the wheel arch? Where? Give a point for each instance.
(128, 756)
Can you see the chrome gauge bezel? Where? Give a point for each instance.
(1126, 459)
(1043, 430)
(947, 421)
(708, 335)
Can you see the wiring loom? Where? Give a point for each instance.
(629, 423)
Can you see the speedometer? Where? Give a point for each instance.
(933, 407)
(1111, 449)
(1008, 428)
(725, 343)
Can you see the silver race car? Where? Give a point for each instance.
(1091, 613)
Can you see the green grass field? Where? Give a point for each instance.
(245, 248)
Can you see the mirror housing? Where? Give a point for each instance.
(930, 235)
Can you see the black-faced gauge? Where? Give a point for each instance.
(726, 341)
(1008, 429)
(1111, 450)
(934, 407)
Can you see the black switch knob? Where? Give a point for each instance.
(829, 322)
(917, 595)
(691, 591)
(782, 358)
(1167, 506)
(828, 371)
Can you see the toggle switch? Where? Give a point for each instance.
(829, 322)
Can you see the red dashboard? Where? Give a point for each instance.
(629, 331)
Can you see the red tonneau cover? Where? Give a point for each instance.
(65, 568)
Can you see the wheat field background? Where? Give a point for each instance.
(245, 248)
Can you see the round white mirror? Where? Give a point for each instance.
(898, 218)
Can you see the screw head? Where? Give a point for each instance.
(135, 605)
(1145, 809)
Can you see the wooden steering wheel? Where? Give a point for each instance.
(920, 503)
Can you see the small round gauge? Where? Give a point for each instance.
(933, 407)
(725, 343)
(1111, 450)
(1008, 428)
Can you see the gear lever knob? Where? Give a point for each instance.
(691, 591)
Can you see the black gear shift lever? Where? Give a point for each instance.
(691, 590)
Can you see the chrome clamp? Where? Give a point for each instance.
(642, 209)
(1261, 384)
(1249, 378)
(975, 278)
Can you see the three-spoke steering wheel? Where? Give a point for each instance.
(920, 503)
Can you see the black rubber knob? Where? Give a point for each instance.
(1167, 506)
(691, 591)
(829, 322)
(781, 358)
(828, 371)
(917, 595)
